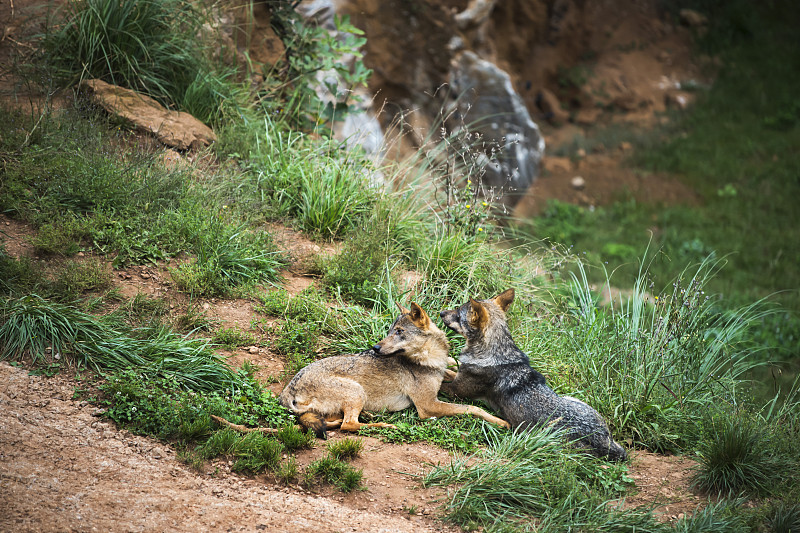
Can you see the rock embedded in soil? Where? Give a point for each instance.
(177, 129)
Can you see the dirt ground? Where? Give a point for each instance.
(62, 468)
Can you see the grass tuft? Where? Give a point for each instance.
(736, 458)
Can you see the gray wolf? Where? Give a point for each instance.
(492, 368)
(405, 368)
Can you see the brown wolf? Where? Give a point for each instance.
(494, 369)
(404, 368)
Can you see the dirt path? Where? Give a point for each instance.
(63, 469)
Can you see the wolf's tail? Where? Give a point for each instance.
(616, 452)
(314, 422)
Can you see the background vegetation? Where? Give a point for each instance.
(667, 367)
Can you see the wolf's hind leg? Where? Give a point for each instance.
(350, 421)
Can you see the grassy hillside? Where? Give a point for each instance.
(736, 147)
(667, 369)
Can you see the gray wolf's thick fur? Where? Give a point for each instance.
(405, 368)
(492, 368)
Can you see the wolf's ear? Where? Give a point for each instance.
(477, 316)
(504, 299)
(419, 317)
(402, 309)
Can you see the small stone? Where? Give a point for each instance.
(144, 275)
(81, 254)
(692, 18)
(99, 412)
(580, 153)
(677, 100)
(253, 349)
(578, 183)
(625, 146)
(206, 306)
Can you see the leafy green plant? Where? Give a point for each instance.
(315, 51)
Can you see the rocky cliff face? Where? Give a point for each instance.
(571, 63)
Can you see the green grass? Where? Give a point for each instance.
(346, 448)
(363, 267)
(735, 148)
(456, 433)
(154, 47)
(668, 374)
(39, 330)
(333, 471)
(736, 458)
(527, 475)
(233, 337)
(129, 206)
(651, 364)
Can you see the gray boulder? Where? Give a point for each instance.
(487, 104)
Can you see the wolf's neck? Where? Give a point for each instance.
(499, 347)
(433, 354)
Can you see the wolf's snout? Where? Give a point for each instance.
(377, 348)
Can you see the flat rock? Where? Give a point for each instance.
(173, 128)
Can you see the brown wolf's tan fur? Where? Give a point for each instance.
(405, 368)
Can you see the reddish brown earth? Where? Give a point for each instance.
(61, 468)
